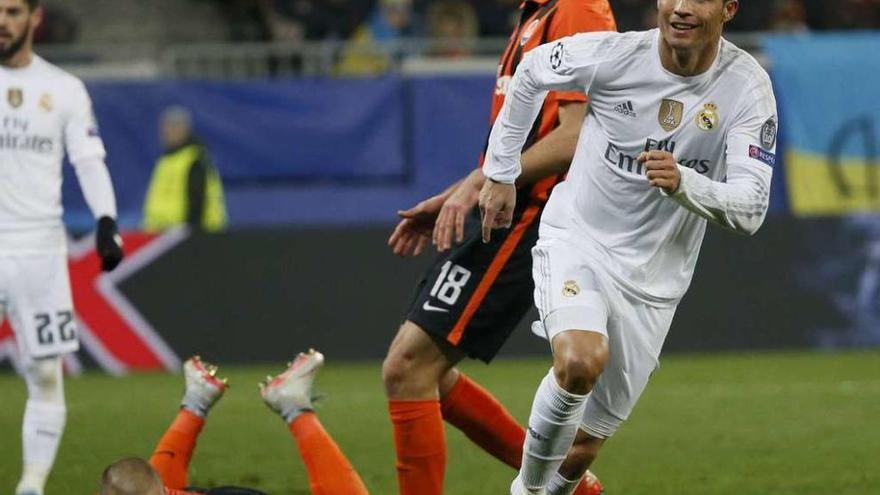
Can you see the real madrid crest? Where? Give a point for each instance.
(570, 288)
(707, 119)
(46, 102)
(670, 114)
(15, 97)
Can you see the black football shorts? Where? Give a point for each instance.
(474, 295)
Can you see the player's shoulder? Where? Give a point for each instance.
(58, 76)
(610, 44)
(743, 67)
(594, 7)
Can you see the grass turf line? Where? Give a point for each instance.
(738, 424)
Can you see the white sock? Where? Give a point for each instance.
(553, 424)
(43, 423)
(41, 433)
(558, 485)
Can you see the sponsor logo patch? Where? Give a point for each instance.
(556, 56)
(626, 108)
(768, 133)
(537, 436)
(707, 118)
(670, 114)
(762, 155)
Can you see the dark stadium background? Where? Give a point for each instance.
(770, 376)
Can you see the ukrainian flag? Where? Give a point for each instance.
(828, 90)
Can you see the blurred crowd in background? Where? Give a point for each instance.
(384, 20)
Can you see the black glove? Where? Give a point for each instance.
(108, 243)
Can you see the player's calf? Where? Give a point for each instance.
(573, 475)
(581, 455)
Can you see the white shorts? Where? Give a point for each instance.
(35, 295)
(573, 293)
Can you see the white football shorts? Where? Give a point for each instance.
(573, 293)
(35, 296)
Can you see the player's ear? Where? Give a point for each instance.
(37, 18)
(731, 7)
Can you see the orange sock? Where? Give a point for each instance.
(330, 473)
(420, 443)
(478, 414)
(175, 449)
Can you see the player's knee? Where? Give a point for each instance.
(414, 365)
(403, 374)
(577, 367)
(393, 373)
(44, 378)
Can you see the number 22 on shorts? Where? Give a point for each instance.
(46, 332)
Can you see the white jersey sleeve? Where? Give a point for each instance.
(740, 203)
(97, 188)
(81, 137)
(568, 64)
(86, 152)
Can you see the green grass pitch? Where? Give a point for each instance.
(738, 424)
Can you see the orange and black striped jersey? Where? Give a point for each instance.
(543, 21)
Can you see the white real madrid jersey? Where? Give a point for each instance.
(720, 126)
(44, 112)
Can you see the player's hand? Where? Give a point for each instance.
(662, 170)
(497, 201)
(450, 222)
(413, 232)
(108, 243)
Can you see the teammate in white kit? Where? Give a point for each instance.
(46, 112)
(681, 130)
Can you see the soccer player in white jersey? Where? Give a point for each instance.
(46, 112)
(681, 132)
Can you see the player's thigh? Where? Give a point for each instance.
(568, 295)
(474, 295)
(635, 339)
(40, 306)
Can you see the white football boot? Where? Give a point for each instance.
(290, 393)
(203, 388)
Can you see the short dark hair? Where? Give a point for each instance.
(33, 3)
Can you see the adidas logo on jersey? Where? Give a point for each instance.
(626, 109)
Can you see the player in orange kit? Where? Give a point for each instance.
(288, 394)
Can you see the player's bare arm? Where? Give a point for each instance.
(662, 170)
(553, 154)
(412, 233)
(549, 156)
(497, 201)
